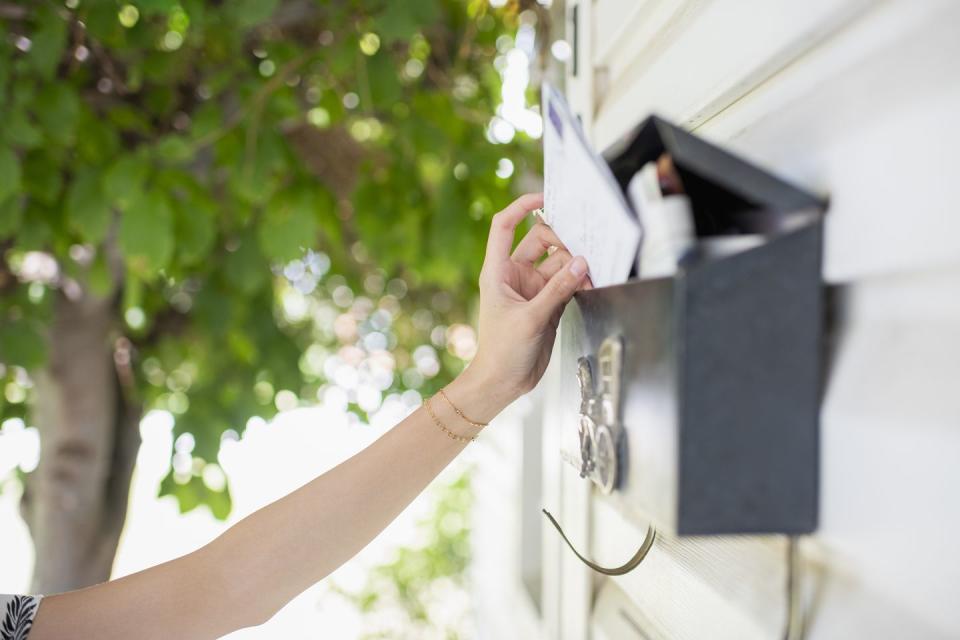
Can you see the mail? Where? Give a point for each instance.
(582, 200)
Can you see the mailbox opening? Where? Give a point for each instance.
(729, 195)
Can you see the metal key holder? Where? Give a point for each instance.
(600, 426)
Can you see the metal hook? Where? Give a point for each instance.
(630, 565)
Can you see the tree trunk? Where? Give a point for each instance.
(75, 502)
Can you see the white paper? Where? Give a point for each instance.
(582, 200)
(667, 224)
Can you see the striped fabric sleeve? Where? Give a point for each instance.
(16, 616)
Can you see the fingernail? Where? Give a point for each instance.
(578, 266)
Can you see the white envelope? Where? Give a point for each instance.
(582, 200)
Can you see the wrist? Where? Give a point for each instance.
(478, 395)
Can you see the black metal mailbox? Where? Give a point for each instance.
(700, 392)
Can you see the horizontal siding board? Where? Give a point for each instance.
(688, 59)
(697, 587)
(870, 119)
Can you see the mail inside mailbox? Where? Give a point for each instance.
(659, 200)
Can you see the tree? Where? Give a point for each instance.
(178, 179)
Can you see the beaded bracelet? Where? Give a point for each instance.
(478, 425)
(436, 421)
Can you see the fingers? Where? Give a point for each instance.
(504, 223)
(559, 289)
(533, 245)
(554, 263)
(557, 260)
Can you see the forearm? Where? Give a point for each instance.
(243, 577)
(294, 542)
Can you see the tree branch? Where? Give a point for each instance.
(12, 11)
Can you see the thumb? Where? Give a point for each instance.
(559, 289)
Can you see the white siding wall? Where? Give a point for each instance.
(861, 101)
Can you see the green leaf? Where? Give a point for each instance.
(148, 7)
(20, 131)
(10, 173)
(99, 278)
(101, 22)
(219, 503)
(100, 141)
(127, 118)
(397, 22)
(245, 268)
(11, 213)
(146, 233)
(187, 494)
(4, 78)
(326, 209)
(384, 80)
(197, 11)
(123, 182)
(206, 119)
(21, 344)
(287, 227)
(401, 20)
(87, 208)
(47, 43)
(42, 178)
(132, 292)
(247, 13)
(159, 101)
(214, 308)
(194, 493)
(255, 178)
(174, 149)
(426, 11)
(34, 232)
(57, 108)
(195, 225)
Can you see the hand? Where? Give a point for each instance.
(521, 302)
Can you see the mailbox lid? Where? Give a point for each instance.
(729, 194)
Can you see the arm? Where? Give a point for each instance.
(243, 577)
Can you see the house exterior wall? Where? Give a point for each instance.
(858, 101)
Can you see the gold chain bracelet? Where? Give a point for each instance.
(443, 427)
(478, 425)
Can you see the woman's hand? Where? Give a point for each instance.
(521, 302)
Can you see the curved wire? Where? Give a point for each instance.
(630, 565)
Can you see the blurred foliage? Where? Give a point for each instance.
(178, 156)
(402, 598)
